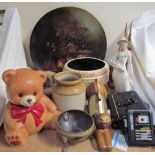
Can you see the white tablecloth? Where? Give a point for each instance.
(143, 57)
(12, 53)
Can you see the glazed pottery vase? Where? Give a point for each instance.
(90, 68)
(69, 91)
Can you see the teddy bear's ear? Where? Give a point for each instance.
(42, 75)
(8, 74)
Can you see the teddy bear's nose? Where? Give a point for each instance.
(29, 100)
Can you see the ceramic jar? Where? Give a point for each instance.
(90, 68)
(69, 91)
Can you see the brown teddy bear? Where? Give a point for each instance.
(28, 109)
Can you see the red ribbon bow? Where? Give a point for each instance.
(20, 113)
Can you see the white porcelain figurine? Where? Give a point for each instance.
(122, 68)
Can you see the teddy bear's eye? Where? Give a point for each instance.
(20, 94)
(35, 93)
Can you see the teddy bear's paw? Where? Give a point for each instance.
(13, 139)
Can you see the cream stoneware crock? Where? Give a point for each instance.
(69, 91)
(90, 68)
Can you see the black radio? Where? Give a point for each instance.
(120, 103)
(140, 128)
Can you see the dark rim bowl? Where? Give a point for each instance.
(75, 121)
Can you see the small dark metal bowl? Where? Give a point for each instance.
(75, 125)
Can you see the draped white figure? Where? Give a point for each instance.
(122, 68)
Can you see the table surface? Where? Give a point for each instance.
(48, 141)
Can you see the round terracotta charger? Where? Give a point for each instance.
(63, 34)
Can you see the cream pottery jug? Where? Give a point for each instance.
(69, 91)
